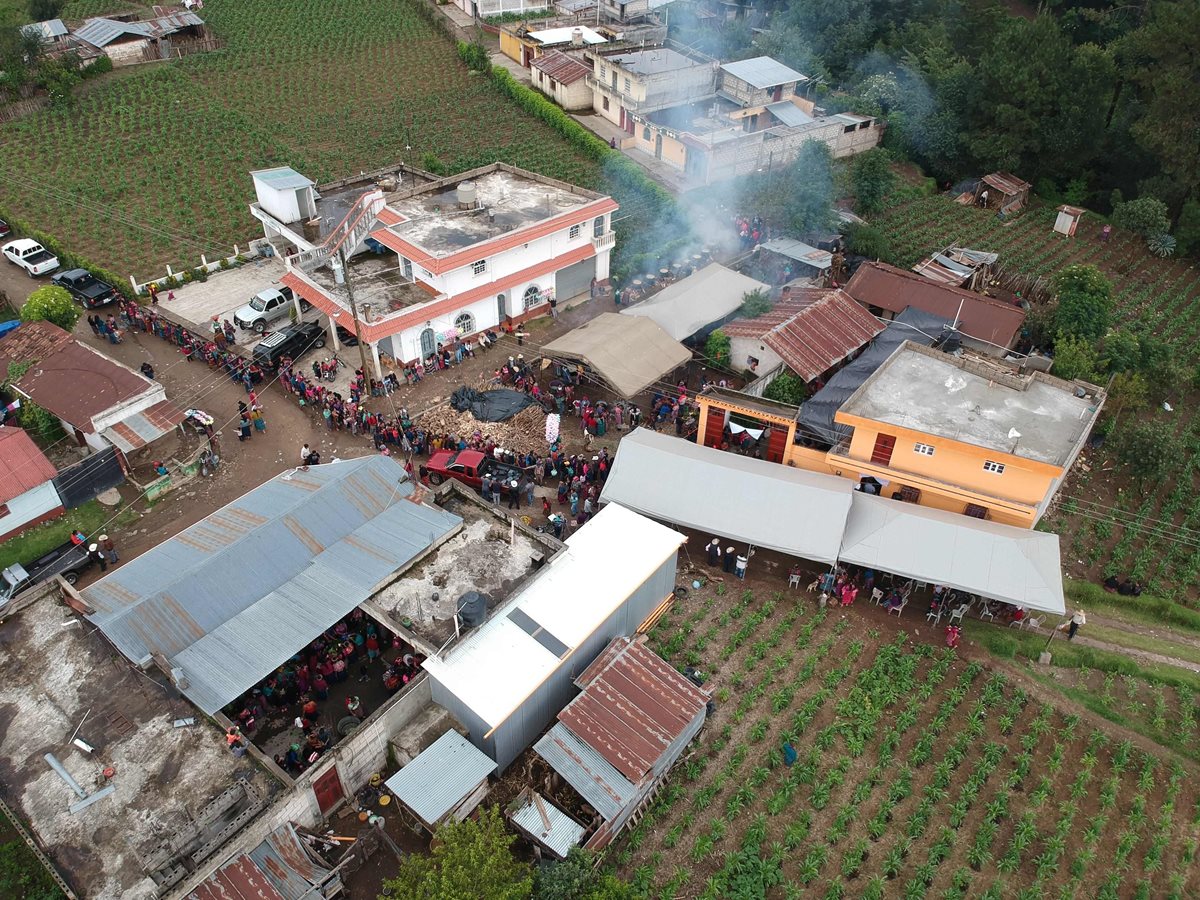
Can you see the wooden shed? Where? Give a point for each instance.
(1003, 192)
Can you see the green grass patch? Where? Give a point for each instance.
(35, 542)
(1143, 610)
(1140, 641)
(22, 875)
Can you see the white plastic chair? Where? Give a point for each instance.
(985, 612)
(957, 615)
(793, 580)
(876, 596)
(935, 615)
(1035, 623)
(899, 609)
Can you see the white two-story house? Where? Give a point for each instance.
(432, 262)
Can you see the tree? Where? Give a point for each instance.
(41, 10)
(717, 348)
(799, 197)
(1075, 358)
(468, 860)
(1084, 303)
(868, 241)
(576, 878)
(786, 388)
(1148, 449)
(1121, 352)
(1146, 216)
(755, 303)
(51, 304)
(871, 179)
(1127, 392)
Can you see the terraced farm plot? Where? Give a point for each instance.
(151, 167)
(919, 774)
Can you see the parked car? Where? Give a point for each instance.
(293, 341)
(5, 231)
(86, 288)
(67, 560)
(266, 307)
(30, 256)
(469, 467)
(347, 338)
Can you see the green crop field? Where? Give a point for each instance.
(919, 774)
(150, 167)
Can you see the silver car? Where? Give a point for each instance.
(266, 307)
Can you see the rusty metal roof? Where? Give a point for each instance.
(238, 879)
(823, 334)
(589, 773)
(282, 858)
(145, 427)
(1006, 183)
(238, 593)
(632, 707)
(561, 67)
(22, 465)
(979, 317)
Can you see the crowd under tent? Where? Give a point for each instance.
(1020, 566)
(698, 303)
(230, 599)
(445, 782)
(761, 503)
(630, 353)
(508, 679)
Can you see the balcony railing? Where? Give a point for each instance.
(604, 241)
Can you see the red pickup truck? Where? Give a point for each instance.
(469, 467)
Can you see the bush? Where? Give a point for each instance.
(717, 348)
(200, 273)
(40, 423)
(1148, 448)
(868, 241)
(786, 388)
(1146, 216)
(102, 66)
(51, 304)
(475, 55)
(871, 179)
(755, 303)
(1084, 303)
(1075, 358)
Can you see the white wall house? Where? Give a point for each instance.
(27, 493)
(431, 263)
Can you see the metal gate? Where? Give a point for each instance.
(574, 280)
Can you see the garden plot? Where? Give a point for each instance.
(919, 774)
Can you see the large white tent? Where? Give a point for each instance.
(762, 503)
(704, 298)
(1016, 565)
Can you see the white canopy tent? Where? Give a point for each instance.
(762, 503)
(702, 299)
(1016, 565)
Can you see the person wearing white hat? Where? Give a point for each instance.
(108, 548)
(97, 557)
(714, 552)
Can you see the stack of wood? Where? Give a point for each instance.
(524, 431)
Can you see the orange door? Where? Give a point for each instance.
(328, 789)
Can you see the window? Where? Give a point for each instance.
(598, 226)
(3, 510)
(532, 296)
(923, 449)
(603, 72)
(626, 85)
(884, 445)
(406, 265)
(605, 102)
(975, 511)
(848, 129)
(574, 232)
(646, 133)
(994, 467)
(910, 494)
(479, 267)
(465, 323)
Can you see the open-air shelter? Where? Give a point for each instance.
(699, 302)
(630, 353)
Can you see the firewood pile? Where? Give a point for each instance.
(524, 431)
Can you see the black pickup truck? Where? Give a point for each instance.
(67, 560)
(86, 288)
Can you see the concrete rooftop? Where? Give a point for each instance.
(57, 674)
(931, 392)
(654, 61)
(516, 200)
(378, 282)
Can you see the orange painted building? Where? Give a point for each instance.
(962, 434)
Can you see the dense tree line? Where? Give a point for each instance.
(1080, 97)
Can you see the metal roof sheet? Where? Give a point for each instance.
(590, 774)
(291, 557)
(800, 251)
(632, 707)
(561, 67)
(789, 113)
(499, 665)
(22, 465)
(695, 302)
(145, 427)
(1006, 183)
(441, 777)
(238, 879)
(822, 334)
(101, 32)
(282, 858)
(762, 72)
(979, 317)
(548, 825)
(46, 31)
(282, 178)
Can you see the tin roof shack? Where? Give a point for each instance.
(445, 782)
(178, 793)
(507, 680)
(129, 42)
(959, 267)
(1006, 193)
(563, 79)
(27, 493)
(616, 742)
(279, 868)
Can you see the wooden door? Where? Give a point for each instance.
(884, 445)
(777, 444)
(714, 428)
(328, 789)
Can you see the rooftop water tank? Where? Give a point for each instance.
(467, 194)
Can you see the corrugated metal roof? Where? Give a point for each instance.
(282, 178)
(236, 594)
(441, 776)
(800, 251)
(46, 31)
(499, 665)
(287, 866)
(22, 465)
(100, 32)
(762, 72)
(560, 67)
(632, 708)
(145, 427)
(789, 113)
(979, 317)
(238, 879)
(822, 334)
(590, 774)
(548, 825)
(757, 326)
(1006, 183)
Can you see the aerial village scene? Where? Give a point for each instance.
(599, 449)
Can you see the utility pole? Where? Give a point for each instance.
(362, 353)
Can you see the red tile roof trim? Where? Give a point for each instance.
(498, 244)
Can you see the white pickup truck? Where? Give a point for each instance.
(30, 256)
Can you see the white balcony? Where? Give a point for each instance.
(604, 241)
